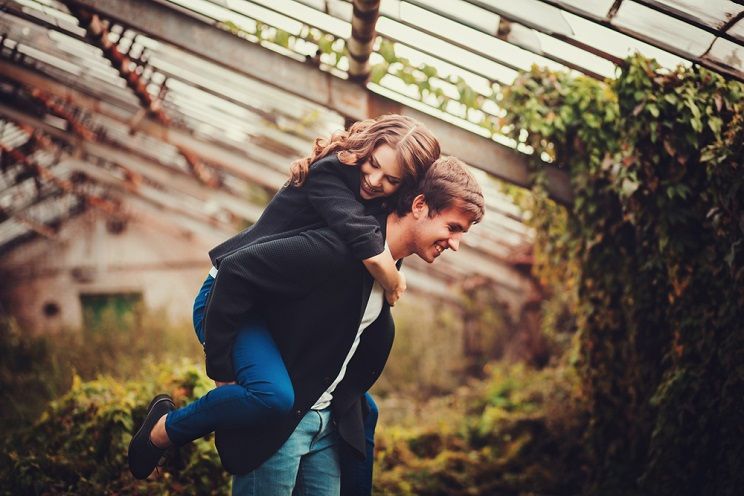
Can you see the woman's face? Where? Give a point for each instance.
(381, 173)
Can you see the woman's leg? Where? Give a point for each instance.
(356, 474)
(262, 389)
(200, 305)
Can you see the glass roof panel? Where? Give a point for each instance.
(728, 53)
(51, 15)
(714, 13)
(576, 55)
(462, 11)
(486, 45)
(619, 44)
(339, 9)
(531, 12)
(662, 28)
(465, 58)
(595, 8)
(737, 30)
(274, 15)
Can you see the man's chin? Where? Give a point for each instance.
(427, 257)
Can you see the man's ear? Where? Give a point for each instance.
(419, 208)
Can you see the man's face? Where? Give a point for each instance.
(432, 235)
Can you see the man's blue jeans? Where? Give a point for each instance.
(307, 464)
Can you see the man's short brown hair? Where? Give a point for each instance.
(447, 183)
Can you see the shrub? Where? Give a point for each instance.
(79, 444)
(519, 432)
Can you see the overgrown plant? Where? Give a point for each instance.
(653, 247)
(79, 444)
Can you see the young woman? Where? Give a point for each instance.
(344, 177)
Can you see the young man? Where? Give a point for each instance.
(333, 329)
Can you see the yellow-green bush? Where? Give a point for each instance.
(519, 432)
(79, 444)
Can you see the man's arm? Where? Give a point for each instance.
(286, 268)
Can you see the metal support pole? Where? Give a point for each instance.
(364, 18)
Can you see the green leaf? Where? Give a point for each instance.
(377, 72)
(429, 71)
(715, 124)
(387, 50)
(629, 187)
(325, 44)
(281, 38)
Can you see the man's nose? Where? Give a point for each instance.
(454, 243)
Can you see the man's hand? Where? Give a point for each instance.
(218, 383)
(393, 296)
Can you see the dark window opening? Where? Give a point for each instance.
(50, 309)
(112, 311)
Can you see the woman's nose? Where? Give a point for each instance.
(375, 179)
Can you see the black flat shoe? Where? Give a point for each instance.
(143, 455)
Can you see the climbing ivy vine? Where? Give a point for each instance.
(652, 252)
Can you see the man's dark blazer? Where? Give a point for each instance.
(312, 292)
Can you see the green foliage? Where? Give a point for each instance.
(516, 433)
(417, 370)
(652, 256)
(79, 444)
(29, 377)
(36, 369)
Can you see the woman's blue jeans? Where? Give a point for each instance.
(263, 389)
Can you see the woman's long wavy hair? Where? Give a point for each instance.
(415, 146)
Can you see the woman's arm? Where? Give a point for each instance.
(328, 189)
(382, 267)
(332, 190)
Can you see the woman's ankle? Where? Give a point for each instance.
(159, 436)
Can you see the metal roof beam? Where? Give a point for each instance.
(131, 71)
(201, 37)
(157, 172)
(241, 165)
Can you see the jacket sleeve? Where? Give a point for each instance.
(331, 191)
(285, 268)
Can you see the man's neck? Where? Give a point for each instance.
(397, 236)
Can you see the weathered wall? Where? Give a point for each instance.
(87, 258)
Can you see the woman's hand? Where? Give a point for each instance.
(393, 296)
(218, 383)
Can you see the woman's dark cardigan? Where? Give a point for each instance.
(329, 198)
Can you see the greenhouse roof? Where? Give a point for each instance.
(160, 104)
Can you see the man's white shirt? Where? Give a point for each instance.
(371, 312)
